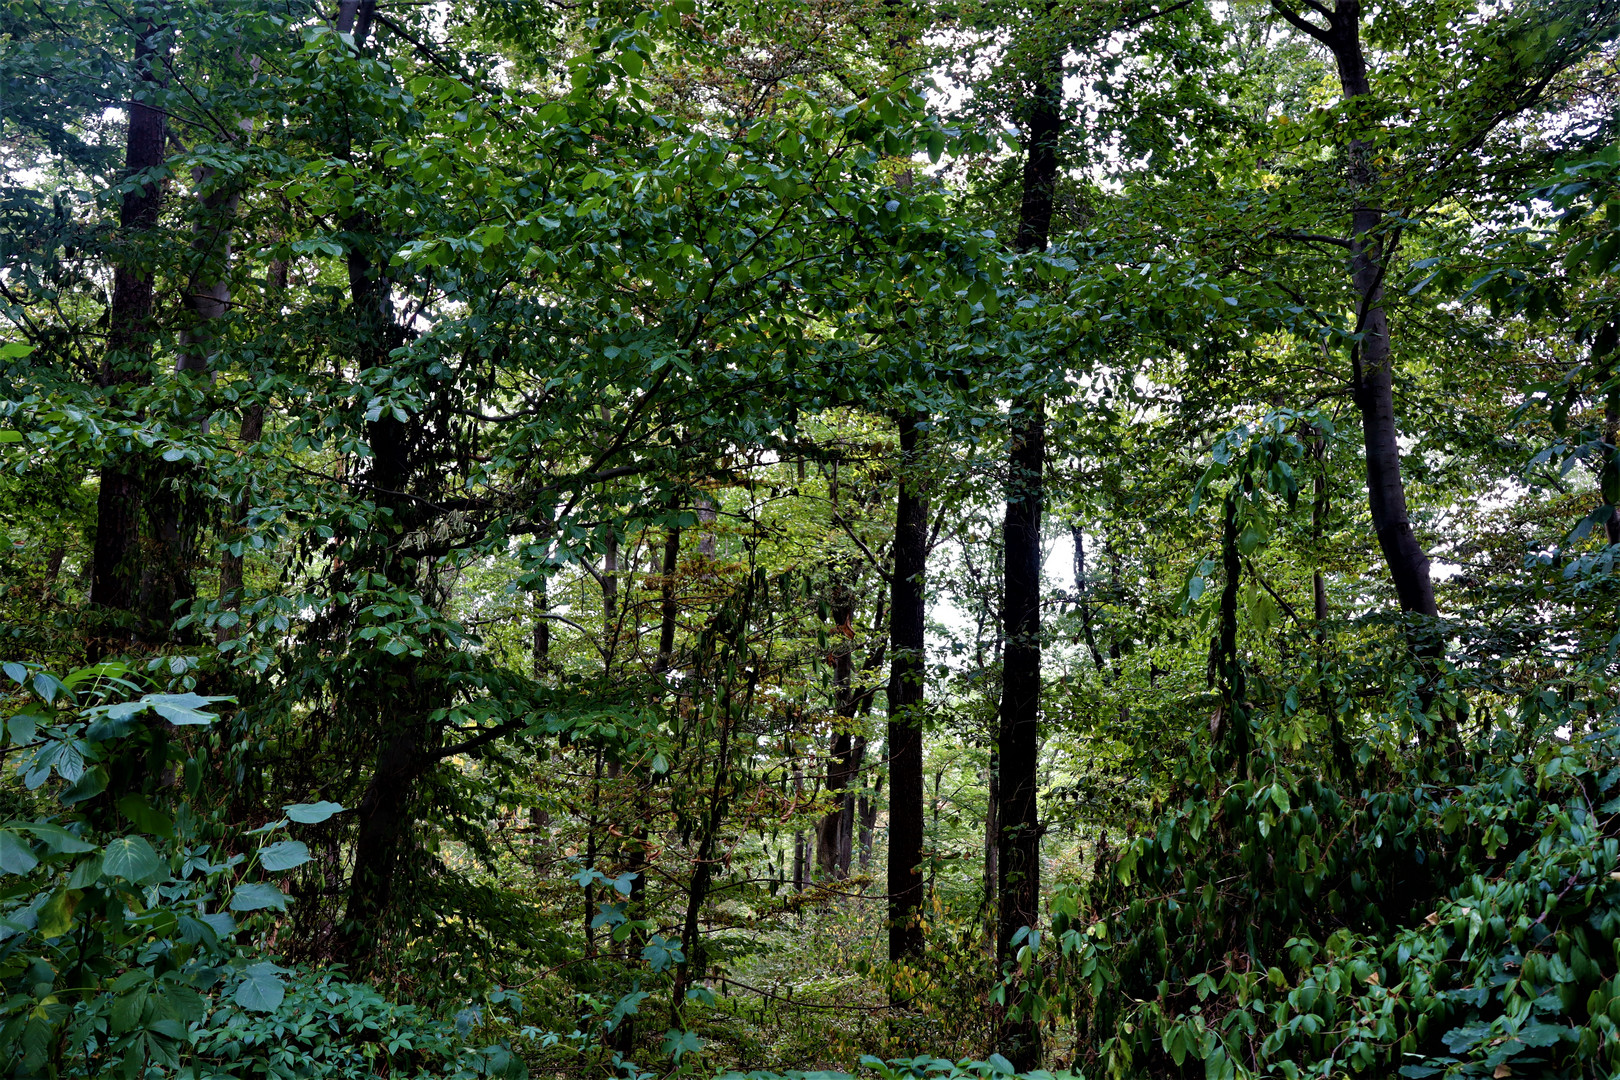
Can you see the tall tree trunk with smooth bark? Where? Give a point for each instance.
(905, 743)
(1018, 844)
(1372, 364)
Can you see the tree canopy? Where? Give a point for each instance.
(810, 537)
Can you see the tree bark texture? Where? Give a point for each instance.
(832, 835)
(1018, 844)
(906, 652)
(116, 555)
(1372, 366)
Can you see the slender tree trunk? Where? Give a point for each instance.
(624, 1034)
(540, 643)
(868, 810)
(801, 849)
(1018, 742)
(1603, 358)
(846, 816)
(231, 562)
(116, 558)
(1082, 588)
(907, 643)
(1372, 363)
(1234, 706)
(1018, 736)
(1343, 760)
(992, 847)
(832, 857)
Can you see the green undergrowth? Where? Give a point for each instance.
(1284, 926)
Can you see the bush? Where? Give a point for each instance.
(1278, 926)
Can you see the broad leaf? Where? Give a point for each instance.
(132, 858)
(256, 896)
(284, 855)
(312, 813)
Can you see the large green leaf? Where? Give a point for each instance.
(262, 990)
(312, 813)
(183, 709)
(258, 895)
(132, 858)
(284, 855)
(56, 916)
(16, 857)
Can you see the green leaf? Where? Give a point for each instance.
(92, 783)
(132, 858)
(56, 916)
(312, 813)
(86, 872)
(16, 857)
(258, 895)
(284, 855)
(261, 991)
(144, 817)
(679, 1043)
(182, 709)
(57, 839)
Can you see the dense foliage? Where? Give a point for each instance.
(809, 537)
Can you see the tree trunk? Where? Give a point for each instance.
(1018, 844)
(1343, 760)
(384, 817)
(1082, 588)
(540, 645)
(1234, 714)
(868, 812)
(1018, 736)
(832, 854)
(907, 643)
(116, 559)
(230, 563)
(1371, 362)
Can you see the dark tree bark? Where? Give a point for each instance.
(540, 645)
(1082, 588)
(1018, 736)
(116, 559)
(1233, 719)
(836, 831)
(230, 563)
(833, 833)
(384, 818)
(625, 1033)
(1372, 367)
(867, 810)
(1343, 760)
(906, 651)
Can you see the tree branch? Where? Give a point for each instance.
(1299, 22)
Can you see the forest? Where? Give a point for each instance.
(809, 539)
